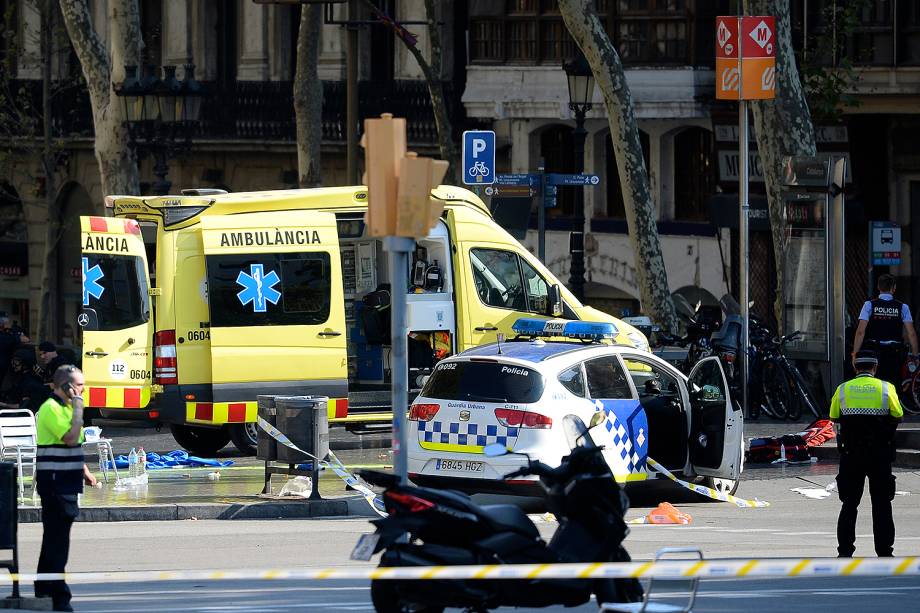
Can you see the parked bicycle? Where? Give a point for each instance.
(785, 392)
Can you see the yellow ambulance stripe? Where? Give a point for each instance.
(451, 447)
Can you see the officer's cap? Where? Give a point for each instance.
(865, 358)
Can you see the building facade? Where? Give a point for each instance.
(502, 71)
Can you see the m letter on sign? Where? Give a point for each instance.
(745, 58)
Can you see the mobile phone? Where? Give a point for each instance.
(68, 390)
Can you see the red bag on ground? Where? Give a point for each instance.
(819, 432)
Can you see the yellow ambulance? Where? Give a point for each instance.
(193, 305)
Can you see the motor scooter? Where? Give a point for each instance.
(428, 527)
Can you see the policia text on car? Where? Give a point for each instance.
(868, 412)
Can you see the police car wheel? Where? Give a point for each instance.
(385, 596)
(725, 486)
(200, 441)
(245, 437)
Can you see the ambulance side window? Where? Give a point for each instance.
(269, 289)
(572, 380)
(606, 378)
(505, 280)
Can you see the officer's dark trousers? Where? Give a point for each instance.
(855, 468)
(58, 514)
(890, 365)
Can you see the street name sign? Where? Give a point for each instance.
(510, 191)
(530, 179)
(582, 180)
(478, 157)
(745, 58)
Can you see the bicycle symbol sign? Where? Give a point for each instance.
(478, 157)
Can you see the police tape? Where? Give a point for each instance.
(334, 464)
(762, 568)
(706, 491)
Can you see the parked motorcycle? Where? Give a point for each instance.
(427, 527)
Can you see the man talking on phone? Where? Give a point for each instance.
(59, 477)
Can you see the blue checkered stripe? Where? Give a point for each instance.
(623, 446)
(465, 434)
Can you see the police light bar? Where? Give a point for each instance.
(594, 330)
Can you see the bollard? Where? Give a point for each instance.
(9, 519)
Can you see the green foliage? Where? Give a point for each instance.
(825, 68)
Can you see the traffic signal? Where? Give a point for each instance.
(384, 143)
(399, 183)
(416, 211)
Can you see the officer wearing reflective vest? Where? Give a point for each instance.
(59, 477)
(867, 411)
(883, 324)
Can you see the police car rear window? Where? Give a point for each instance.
(485, 382)
(271, 289)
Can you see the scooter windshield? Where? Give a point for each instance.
(576, 432)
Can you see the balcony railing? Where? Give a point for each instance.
(264, 110)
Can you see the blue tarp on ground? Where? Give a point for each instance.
(173, 459)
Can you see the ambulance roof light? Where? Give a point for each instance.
(586, 330)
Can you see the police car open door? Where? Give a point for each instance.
(274, 284)
(715, 426)
(117, 318)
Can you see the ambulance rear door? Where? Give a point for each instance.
(117, 318)
(277, 310)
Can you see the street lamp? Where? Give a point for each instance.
(161, 115)
(581, 92)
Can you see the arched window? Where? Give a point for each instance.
(558, 152)
(694, 173)
(615, 208)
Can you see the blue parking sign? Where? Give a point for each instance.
(478, 157)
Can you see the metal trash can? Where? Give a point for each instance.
(304, 421)
(267, 446)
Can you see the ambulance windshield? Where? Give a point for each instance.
(115, 288)
(484, 382)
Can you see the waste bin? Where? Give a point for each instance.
(8, 519)
(304, 421)
(267, 448)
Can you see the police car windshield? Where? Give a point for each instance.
(115, 287)
(484, 382)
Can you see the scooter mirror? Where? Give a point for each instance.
(494, 450)
(597, 419)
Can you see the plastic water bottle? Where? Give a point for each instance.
(141, 462)
(132, 464)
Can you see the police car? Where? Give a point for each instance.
(517, 392)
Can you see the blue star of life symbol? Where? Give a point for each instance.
(91, 285)
(258, 288)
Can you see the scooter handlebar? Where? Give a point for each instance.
(534, 467)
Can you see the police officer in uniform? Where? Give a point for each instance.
(59, 477)
(886, 322)
(867, 411)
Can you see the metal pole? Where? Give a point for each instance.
(351, 94)
(399, 248)
(541, 212)
(837, 223)
(745, 250)
(577, 244)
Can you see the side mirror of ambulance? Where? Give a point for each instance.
(555, 301)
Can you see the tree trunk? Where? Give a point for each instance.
(117, 164)
(308, 96)
(590, 36)
(783, 127)
(47, 295)
(433, 72)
